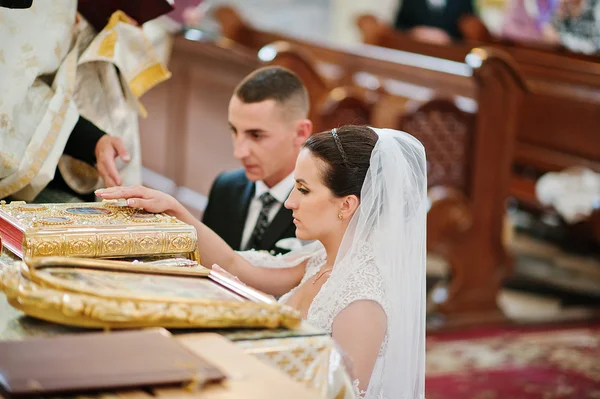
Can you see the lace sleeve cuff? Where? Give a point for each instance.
(357, 392)
(266, 260)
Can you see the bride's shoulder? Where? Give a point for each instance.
(364, 281)
(367, 275)
(364, 265)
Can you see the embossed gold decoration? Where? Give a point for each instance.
(31, 208)
(95, 230)
(141, 218)
(44, 288)
(53, 221)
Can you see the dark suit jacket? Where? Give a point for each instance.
(227, 209)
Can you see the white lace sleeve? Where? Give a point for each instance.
(363, 283)
(291, 259)
(266, 260)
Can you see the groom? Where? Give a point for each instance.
(268, 117)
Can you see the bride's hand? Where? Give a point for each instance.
(153, 201)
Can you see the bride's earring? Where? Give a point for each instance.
(340, 216)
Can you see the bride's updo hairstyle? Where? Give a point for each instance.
(346, 154)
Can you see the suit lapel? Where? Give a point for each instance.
(277, 227)
(242, 207)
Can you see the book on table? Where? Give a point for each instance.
(100, 361)
(107, 229)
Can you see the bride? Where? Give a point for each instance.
(361, 195)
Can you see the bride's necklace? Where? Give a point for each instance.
(321, 274)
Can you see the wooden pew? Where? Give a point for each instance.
(534, 60)
(357, 64)
(469, 155)
(559, 124)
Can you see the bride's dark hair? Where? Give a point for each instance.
(346, 154)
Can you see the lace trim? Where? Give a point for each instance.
(269, 261)
(357, 392)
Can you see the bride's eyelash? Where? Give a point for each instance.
(303, 191)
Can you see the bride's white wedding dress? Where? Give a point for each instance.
(381, 258)
(339, 291)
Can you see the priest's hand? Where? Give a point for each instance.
(150, 200)
(108, 149)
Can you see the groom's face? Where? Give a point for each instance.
(265, 141)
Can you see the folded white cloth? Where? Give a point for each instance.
(574, 193)
(290, 243)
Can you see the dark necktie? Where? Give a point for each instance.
(262, 222)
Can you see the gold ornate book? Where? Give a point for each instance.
(92, 230)
(106, 293)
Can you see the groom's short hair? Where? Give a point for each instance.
(278, 84)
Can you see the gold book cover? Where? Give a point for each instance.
(107, 229)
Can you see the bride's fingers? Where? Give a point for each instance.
(145, 204)
(110, 193)
(123, 192)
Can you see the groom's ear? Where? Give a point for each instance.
(303, 131)
(349, 205)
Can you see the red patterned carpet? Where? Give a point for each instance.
(556, 363)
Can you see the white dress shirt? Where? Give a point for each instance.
(280, 192)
